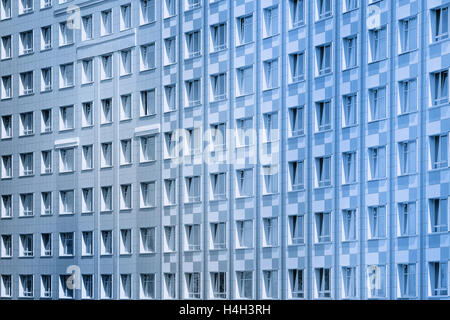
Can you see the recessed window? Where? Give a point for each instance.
(323, 282)
(323, 59)
(192, 4)
(106, 114)
(377, 44)
(106, 22)
(125, 62)
(169, 285)
(46, 203)
(106, 203)
(46, 165)
(377, 163)
(147, 286)
(125, 197)
(6, 167)
(66, 243)
(296, 175)
(218, 235)
(244, 284)
(5, 9)
(377, 104)
(26, 83)
(86, 243)
(87, 204)
(219, 285)
(65, 34)
(324, 9)
(25, 6)
(87, 116)
(66, 118)
(26, 248)
(245, 182)
(270, 21)
(86, 28)
(46, 79)
(6, 47)
(26, 164)
(46, 286)
(66, 160)
(192, 232)
(147, 11)
(170, 97)
(125, 107)
(193, 189)
(169, 51)
(106, 286)
(350, 52)
(169, 192)
(6, 89)
(6, 125)
(297, 66)
(148, 103)
(26, 286)
(66, 75)
(439, 151)
(106, 67)
(65, 291)
(26, 42)
(408, 34)
(6, 206)
(406, 218)
(439, 24)
(106, 242)
(147, 240)
(297, 13)
(244, 232)
(439, 87)
(169, 8)
(323, 171)
(270, 74)
(169, 238)
(376, 285)
(125, 152)
(87, 71)
(26, 123)
(244, 29)
(87, 161)
(106, 155)
(193, 92)
(377, 222)
(350, 5)
(193, 285)
(125, 241)
(193, 44)
(438, 273)
(219, 36)
(66, 202)
(438, 209)
(219, 86)
(296, 282)
(147, 149)
(148, 194)
(125, 16)
(46, 245)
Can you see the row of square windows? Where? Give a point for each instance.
(376, 276)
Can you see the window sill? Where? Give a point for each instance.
(218, 51)
(376, 179)
(104, 124)
(6, 258)
(406, 236)
(147, 161)
(217, 249)
(64, 45)
(324, 18)
(437, 233)
(87, 212)
(244, 44)
(87, 83)
(300, 189)
(46, 173)
(25, 217)
(126, 254)
(243, 197)
(66, 130)
(192, 106)
(170, 17)
(275, 246)
(106, 211)
(440, 105)
(296, 82)
(194, 57)
(144, 24)
(25, 13)
(87, 255)
(126, 165)
(292, 245)
(106, 168)
(126, 75)
(407, 113)
(406, 174)
(6, 178)
(270, 194)
(6, 218)
(297, 26)
(437, 169)
(6, 59)
(270, 36)
(26, 54)
(439, 41)
(351, 10)
(26, 95)
(126, 210)
(6, 138)
(47, 215)
(377, 239)
(66, 172)
(147, 208)
(27, 176)
(349, 241)
(66, 88)
(244, 248)
(46, 49)
(192, 202)
(270, 89)
(189, 10)
(377, 120)
(170, 205)
(244, 95)
(170, 64)
(26, 257)
(147, 116)
(147, 253)
(67, 214)
(408, 51)
(350, 68)
(218, 200)
(26, 135)
(66, 256)
(106, 79)
(218, 100)
(377, 61)
(320, 76)
(106, 254)
(324, 242)
(323, 187)
(324, 131)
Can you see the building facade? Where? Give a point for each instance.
(227, 149)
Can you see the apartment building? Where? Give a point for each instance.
(226, 149)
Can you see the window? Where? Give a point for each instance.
(106, 290)
(244, 284)
(6, 127)
(297, 66)
(26, 164)
(169, 285)
(87, 162)
(46, 286)
(26, 245)
(407, 96)
(65, 292)
(438, 278)
(349, 224)
(407, 280)
(323, 171)
(349, 279)
(6, 246)
(169, 8)
(148, 102)
(438, 215)
(6, 206)
(193, 92)
(86, 28)
(106, 242)
(46, 79)
(439, 87)
(376, 277)
(193, 41)
(26, 205)
(270, 74)
(218, 235)
(125, 241)
(218, 86)
(323, 116)
(7, 167)
(6, 287)
(106, 199)
(244, 134)
(147, 12)
(169, 195)
(270, 281)
(439, 151)
(377, 104)
(5, 9)
(323, 282)
(271, 21)
(245, 29)
(349, 167)
(244, 229)
(350, 5)
(125, 17)
(170, 144)
(147, 243)
(87, 71)
(26, 42)
(46, 165)
(106, 114)
(66, 202)
(147, 286)
(296, 229)
(87, 117)
(106, 67)
(66, 118)
(26, 124)
(270, 232)
(245, 80)
(26, 83)
(324, 9)
(66, 243)
(6, 92)
(377, 222)
(125, 286)
(349, 110)
(169, 238)
(26, 286)
(219, 36)
(170, 103)
(6, 51)
(408, 34)
(148, 56)
(323, 56)
(125, 62)
(297, 13)
(378, 44)
(147, 149)
(350, 52)
(66, 160)
(218, 138)
(219, 285)
(218, 185)
(46, 203)
(125, 152)
(66, 75)
(439, 23)
(65, 34)
(296, 283)
(377, 163)
(270, 178)
(192, 4)
(148, 194)
(86, 243)
(407, 218)
(87, 200)
(46, 4)
(170, 52)
(407, 157)
(106, 22)
(193, 189)
(87, 289)
(192, 237)
(323, 227)
(245, 182)
(125, 107)
(193, 138)
(192, 285)
(25, 6)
